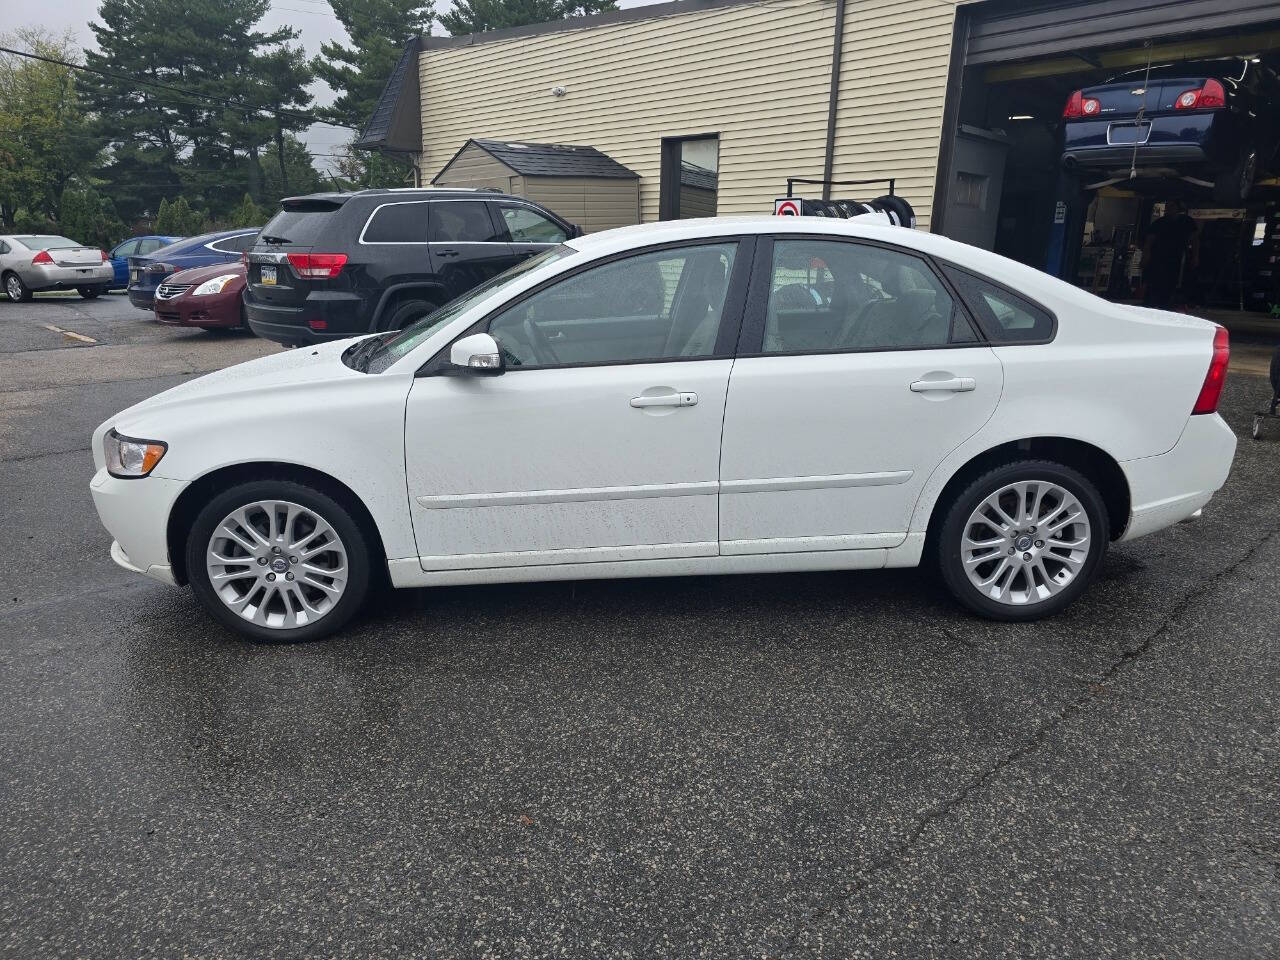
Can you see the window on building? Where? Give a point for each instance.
(690, 177)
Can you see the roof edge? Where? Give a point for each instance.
(609, 18)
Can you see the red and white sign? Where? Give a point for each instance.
(786, 207)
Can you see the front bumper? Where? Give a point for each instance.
(43, 277)
(188, 311)
(1174, 486)
(136, 514)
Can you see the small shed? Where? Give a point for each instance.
(581, 184)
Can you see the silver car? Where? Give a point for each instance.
(31, 262)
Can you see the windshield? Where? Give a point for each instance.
(379, 352)
(46, 243)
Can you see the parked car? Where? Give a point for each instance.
(330, 265)
(207, 297)
(1217, 121)
(33, 262)
(147, 272)
(695, 396)
(133, 247)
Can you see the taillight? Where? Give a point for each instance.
(42, 257)
(103, 255)
(1214, 380)
(317, 265)
(1209, 97)
(1078, 105)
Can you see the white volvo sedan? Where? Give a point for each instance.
(696, 397)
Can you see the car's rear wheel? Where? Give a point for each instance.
(278, 561)
(15, 289)
(1234, 185)
(410, 311)
(89, 293)
(1023, 541)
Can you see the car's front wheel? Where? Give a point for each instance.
(15, 289)
(279, 561)
(1022, 541)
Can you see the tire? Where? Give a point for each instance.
(1232, 187)
(15, 289)
(89, 293)
(406, 313)
(1056, 575)
(312, 612)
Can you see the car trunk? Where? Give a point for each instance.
(1124, 100)
(76, 256)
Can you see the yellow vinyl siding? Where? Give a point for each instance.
(756, 74)
(476, 168)
(592, 203)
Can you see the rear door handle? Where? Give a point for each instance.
(665, 400)
(954, 385)
(446, 253)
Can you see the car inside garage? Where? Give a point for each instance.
(1128, 147)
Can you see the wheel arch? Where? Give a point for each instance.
(1092, 461)
(198, 492)
(396, 293)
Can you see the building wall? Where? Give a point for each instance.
(593, 204)
(756, 74)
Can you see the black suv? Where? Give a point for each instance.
(333, 265)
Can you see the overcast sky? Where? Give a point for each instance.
(312, 18)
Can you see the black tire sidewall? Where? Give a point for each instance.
(953, 526)
(25, 291)
(359, 557)
(89, 293)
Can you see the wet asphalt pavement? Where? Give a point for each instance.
(789, 766)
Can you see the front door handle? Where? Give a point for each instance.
(665, 400)
(446, 253)
(953, 385)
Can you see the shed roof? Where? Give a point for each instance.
(553, 159)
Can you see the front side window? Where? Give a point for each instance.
(833, 296)
(652, 306)
(1004, 316)
(397, 223)
(461, 221)
(529, 226)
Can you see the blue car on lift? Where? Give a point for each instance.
(133, 247)
(147, 272)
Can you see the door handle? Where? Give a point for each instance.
(953, 385)
(446, 253)
(665, 400)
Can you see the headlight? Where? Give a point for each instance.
(216, 285)
(128, 458)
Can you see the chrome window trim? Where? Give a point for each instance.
(483, 198)
(213, 244)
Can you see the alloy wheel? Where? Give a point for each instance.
(13, 287)
(1026, 542)
(277, 564)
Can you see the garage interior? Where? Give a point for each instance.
(1006, 187)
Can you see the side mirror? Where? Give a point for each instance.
(476, 356)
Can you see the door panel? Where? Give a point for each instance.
(465, 245)
(830, 451)
(558, 465)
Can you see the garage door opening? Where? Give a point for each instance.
(1128, 195)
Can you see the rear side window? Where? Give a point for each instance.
(149, 245)
(397, 223)
(461, 221)
(1004, 316)
(235, 244)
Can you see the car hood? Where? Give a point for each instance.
(267, 377)
(201, 274)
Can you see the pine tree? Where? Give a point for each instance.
(247, 214)
(178, 219)
(190, 140)
(88, 217)
(474, 16)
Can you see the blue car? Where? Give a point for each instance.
(133, 247)
(1213, 122)
(147, 272)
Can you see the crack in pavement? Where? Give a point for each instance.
(1092, 690)
(37, 456)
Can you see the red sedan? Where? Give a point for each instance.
(208, 297)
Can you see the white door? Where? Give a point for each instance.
(865, 374)
(601, 441)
